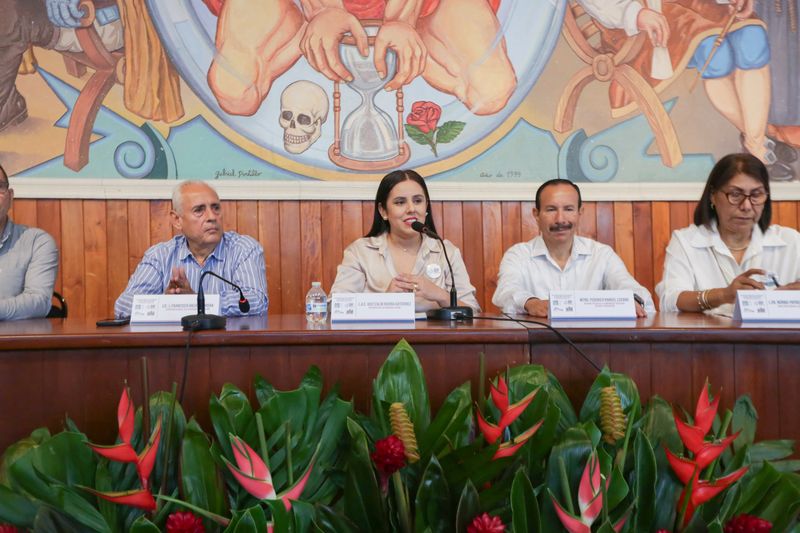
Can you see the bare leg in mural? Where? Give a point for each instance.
(257, 43)
(47, 24)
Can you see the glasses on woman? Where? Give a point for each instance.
(736, 197)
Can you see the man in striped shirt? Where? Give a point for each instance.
(175, 266)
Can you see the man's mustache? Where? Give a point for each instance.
(561, 227)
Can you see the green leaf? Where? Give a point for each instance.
(523, 379)
(468, 507)
(433, 508)
(281, 518)
(304, 514)
(143, 525)
(744, 419)
(771, 450)
(401, 379)
(575, 446)
(16, 509)
(757, 487)
(451, 425)
(104, 482)
(658, 424)
(626, 388)
(667, 490)
(329, 521)
(200, 480)
(524, 507)
(644, 484)
(417, 136)
(251, 520)
(448, 131)
(50, 520)
(362, 496)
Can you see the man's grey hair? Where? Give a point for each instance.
(177, 193)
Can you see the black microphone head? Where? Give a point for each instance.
(418, 226)
(244, 305)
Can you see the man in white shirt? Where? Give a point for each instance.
(560, 260)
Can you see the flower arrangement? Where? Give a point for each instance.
(519, 459)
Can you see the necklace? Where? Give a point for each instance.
(732, 249)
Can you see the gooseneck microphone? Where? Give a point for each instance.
(201, 321)
(452, 311)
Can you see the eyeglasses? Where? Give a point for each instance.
(737, 197)
(4, 186)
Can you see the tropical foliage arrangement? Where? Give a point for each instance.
(518, 459)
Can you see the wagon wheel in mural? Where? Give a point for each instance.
(579, 31)
(106, 72)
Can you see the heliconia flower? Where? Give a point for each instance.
(184, 522)
(590, 500)
(126, 418)
(8, 528)
(508, 414)
(703, 491)
(507, 449)
(141, 498)
(146, 460)
(705, 411)
(486, 523)
(254, 476)
(745, 523)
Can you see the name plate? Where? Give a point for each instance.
(592, 305)
(769, 306)
(372, 307)
(169, 308)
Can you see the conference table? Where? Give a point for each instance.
(54, 368)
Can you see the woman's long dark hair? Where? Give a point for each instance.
(380, 226)
(724, 171)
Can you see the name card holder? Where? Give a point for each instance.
(767, 306)
(372, 307)
(169, 308)
(583, 305)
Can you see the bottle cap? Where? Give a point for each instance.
(316, 284)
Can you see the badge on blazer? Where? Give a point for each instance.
(433, 271)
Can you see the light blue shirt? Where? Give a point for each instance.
(28, 267)
(238, 258)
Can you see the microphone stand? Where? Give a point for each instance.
(201, 321)
(453, 311)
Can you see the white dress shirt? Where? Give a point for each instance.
(528, 271)
(367, 266)
(697, 259)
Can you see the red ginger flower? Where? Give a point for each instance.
(486, 523)
(184, 522)
(705, 453)
(389, 455)
(745, 523)
(8, 528)
(508, 414)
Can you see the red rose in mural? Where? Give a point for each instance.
(425, 116)
(215, 6)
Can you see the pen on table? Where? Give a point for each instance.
(775, 281)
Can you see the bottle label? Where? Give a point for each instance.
(317, 307)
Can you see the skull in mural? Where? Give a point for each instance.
(304, 109)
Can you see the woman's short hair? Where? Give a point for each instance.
(381, 226)
(724, 171)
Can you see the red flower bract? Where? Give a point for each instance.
(8, 528)
(389, 455)
(745, 523)
(184, 522)
(486, 523)
(424, 115)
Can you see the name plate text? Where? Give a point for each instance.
(592, 305)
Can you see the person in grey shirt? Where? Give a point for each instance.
(28, 264)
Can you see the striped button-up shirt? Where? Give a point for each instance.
(238, 258)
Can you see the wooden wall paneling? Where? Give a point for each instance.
(310, 246)
(138, 232)
(643, 243)
(623, 234)
(48, 217)
(160, 223)
(670, 369)
(511, 224)
(117, 251)
(530, 228)
(492, 218)
(230, 364)
(25, 390)
(293, 298)
(453, 224)
(588, 226)
(680, 215)
(714, 360)
(269, 235)
(247, 218)
(661, 234)
(605, 223)
(24, 212)
(473, 249)
(757, 375)
(95, 231)
(72, 256)
(436, 211)
(332, 245)
(101, 391)
(352, 223)
(634, 360)
(785, 214)
(788, 365)
(367, 215)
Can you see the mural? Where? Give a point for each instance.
(463, 90)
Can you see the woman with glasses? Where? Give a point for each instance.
(732, 245)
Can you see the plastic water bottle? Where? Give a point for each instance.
(316, 304)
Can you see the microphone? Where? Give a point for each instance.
(201, 321)
(452, 311)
